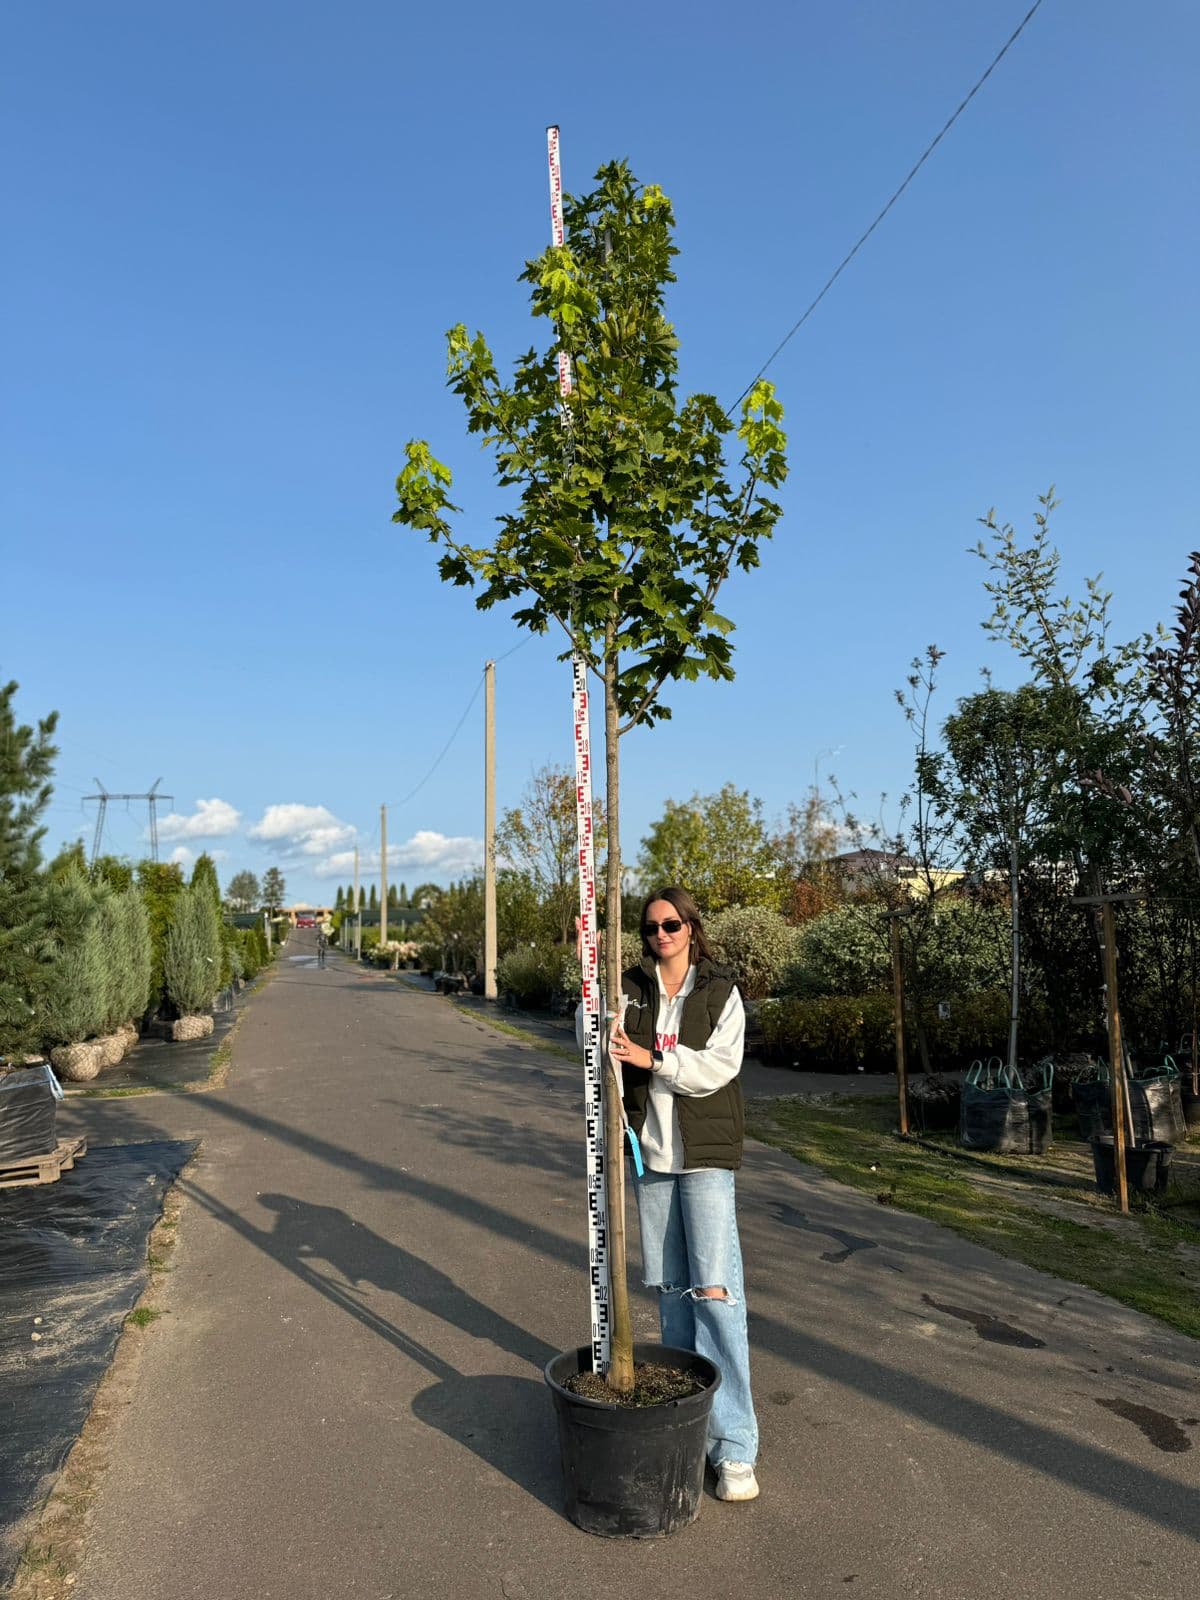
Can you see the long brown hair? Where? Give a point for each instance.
(689, 911)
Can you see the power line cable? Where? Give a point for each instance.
(396, 804)
(849, 257)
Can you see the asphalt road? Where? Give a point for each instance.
(383, 1242)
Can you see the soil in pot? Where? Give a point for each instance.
(653, 1385)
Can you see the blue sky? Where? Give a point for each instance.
(237, 234)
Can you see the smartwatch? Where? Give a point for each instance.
(656, 1060)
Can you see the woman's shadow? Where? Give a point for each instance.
(504, 1420)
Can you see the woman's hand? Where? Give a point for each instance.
(623, 1049)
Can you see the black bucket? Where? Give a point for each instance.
(633, 1472)
(1147, 1166)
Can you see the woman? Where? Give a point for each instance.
(680, 1053)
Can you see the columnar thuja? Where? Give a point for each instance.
(624, 542)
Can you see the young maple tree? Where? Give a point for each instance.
(627, 517)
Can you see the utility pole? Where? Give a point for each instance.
(383, 875)
(898, 1001)
(151, 797)
(489, 831)
(357, 912)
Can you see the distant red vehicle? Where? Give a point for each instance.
(306, 922)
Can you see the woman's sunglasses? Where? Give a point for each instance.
(671, 925)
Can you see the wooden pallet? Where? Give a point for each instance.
(42, 1169)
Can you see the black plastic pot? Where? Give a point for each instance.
(632, 1472)
(1147, 1166)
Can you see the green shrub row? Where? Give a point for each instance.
(845, 1032)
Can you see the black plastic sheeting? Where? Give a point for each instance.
(27, 1114)
(72, 1253)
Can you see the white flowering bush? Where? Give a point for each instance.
(843, 952)
(391, 952)
(758, 944)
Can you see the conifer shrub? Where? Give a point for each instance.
(79, 995)
(136, 956)
(192, 955)
(159, 882)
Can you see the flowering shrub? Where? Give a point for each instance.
(844, 952)
(391, 952)
(758, 944)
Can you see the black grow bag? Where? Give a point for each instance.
(1157, 1110)
(1155, 1103)
(632, 1472)
(1093, 1107)
(1147, 1166)
(999, 1112)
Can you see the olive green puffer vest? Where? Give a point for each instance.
(712, 1126)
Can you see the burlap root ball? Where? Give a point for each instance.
(110, 1047)
(191, 1028)
(77, 1063)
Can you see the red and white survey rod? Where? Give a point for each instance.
(593, 1038)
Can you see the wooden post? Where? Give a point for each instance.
(898, 994)
(1116, 1051)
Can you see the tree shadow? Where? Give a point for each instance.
(503, 1419)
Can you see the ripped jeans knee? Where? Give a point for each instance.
(707, 1292)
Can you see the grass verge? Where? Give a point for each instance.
(547, 1046)
(1149, 1260)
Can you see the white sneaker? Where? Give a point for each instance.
(736, 1481)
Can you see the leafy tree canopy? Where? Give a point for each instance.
(627, 545)
(716, 845)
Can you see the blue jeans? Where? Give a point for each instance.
(690, 1242)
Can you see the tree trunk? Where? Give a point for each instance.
(620, 1372)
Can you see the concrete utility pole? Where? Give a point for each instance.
(489, 831)
(357, 911)
(383, 874)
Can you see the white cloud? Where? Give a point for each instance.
(302, 830)
(182, 856)
(212, 819)
(436, 855)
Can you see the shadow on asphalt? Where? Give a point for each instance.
(1096, 1472)
(492, 1415)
